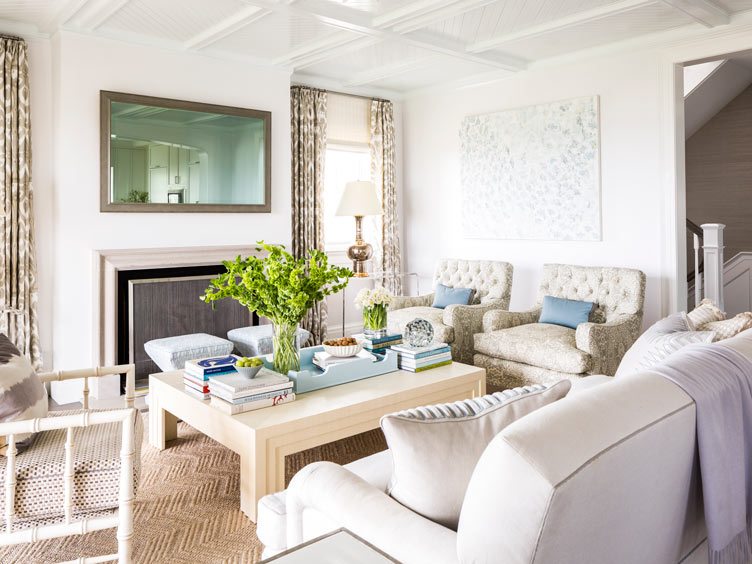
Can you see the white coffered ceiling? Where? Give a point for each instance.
(388, 45)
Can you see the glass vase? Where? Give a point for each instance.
(286, 347)
(374, 321)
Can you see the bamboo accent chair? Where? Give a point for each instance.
(80, 472)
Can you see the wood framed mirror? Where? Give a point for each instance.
(164, 155)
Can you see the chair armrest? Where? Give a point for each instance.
(499, 319)
(607, 342)
(351, 502)
(467, 320)
(401, 302)
(96, 372)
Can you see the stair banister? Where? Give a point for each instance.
(713, 261)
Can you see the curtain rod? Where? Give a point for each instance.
(13, 37)
(343, 93)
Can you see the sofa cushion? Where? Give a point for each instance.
(22, 393)
(705, 312)
(436, 448)
(729, 327)
(258, 339)
(661, 340)
(40, 471)
(539, 344)
(398, 318)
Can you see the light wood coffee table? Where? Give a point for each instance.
(264, 437)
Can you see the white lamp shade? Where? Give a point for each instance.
(359, 198)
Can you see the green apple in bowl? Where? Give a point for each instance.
(248, 367)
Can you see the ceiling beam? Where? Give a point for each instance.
(309, 54)
(385, 71)
(68, 9)
(560, 24)
(410, 11)
(226, 27)
(355, 21)
(96, 13)
(705, 12)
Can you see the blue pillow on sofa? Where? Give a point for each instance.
(444, 296)
(569, 313)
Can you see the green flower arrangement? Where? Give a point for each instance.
(281, 288)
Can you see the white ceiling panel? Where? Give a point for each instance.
(735, 5)
(169, 19)
(383, 54)
(274, 35)
(28, 11)
(394, 45)
(649, 19)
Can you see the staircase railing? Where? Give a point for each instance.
(709, 238)
(696, 232)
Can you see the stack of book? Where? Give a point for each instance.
(197, 372)
(235, 393)
(378, 345)
(324, 360)
(418, 359)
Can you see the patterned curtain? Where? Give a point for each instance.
(387, 249)
(308, 115)
(18, 287)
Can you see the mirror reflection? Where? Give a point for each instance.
(170, 156)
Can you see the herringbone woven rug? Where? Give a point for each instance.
(187, 508)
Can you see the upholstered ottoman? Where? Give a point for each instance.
(257, 340)
(171, 353)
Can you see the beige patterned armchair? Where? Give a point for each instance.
(516, 350)
(456, 324)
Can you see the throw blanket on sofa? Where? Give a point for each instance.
(719, 380)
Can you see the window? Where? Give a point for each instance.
(344, 163)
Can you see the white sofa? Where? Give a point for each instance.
(608, 474)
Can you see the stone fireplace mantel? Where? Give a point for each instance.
(107, 264)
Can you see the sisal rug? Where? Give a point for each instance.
(187, 507)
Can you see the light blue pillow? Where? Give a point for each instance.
(444, 296)
(569, 313)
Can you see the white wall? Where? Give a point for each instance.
(82, 67)
(630, 160)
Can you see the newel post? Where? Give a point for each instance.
(713, 260)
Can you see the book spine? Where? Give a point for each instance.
(369, 345)
(225, 393)
(257, 397)
(424, 368)
(425, 360)
(442, 350)
(204, 373)
(251, 406)
(385, 339)
(197, 387)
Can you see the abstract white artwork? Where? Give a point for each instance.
(533, 173)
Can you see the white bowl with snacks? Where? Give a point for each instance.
(249, 367)
(343, 347)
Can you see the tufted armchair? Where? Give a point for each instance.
(516, 350)
(456, 324)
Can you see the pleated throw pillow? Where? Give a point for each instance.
(435, 448)
(22, 393)
(706, 312)
(660, 341)
(729, 327)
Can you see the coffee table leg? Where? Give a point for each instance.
(163, 425)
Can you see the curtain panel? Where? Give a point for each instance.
(308, 120)
(18, 287)
(383, 171)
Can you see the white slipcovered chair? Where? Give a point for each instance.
(610, 473)
(80, 472)
(456, 324)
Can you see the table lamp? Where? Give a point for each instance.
(359, 199)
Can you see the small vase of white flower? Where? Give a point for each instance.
(373, 303)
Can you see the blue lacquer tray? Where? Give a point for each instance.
(311, 377)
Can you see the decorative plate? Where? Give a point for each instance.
(419, 333)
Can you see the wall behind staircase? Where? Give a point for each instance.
(719, 173)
